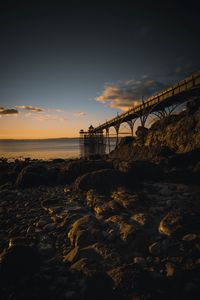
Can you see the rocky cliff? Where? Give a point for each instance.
(179, 133)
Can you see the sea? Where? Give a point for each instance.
(46, 149)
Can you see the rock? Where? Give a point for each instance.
(72, 255)
(126, 140)
(80, 167)
(170, 269)
(52, 203)
(155, 249)
(189, 237)
(140, 218)
(102, 180)
(19, 262)
(141, 132)
(141, 169)
(127, 232)
(80, 265)
(176, 222)
(139, 260)
(125, 198)
(49, 227)
(85, 231)
(31, 176)
(170, 224)
(94, 199)
(103, 210)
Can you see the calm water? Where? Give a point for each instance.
(40, 149)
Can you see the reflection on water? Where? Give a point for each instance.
(41, 149)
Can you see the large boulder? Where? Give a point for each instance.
(141, 169)
(102, 180)
(79, 167)
(32, 176)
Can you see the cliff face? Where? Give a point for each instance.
(176, 133)
(180, 133)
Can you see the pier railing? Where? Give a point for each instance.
(187, 88)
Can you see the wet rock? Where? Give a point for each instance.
(84, 231)
(176, 222)
(170, 269)
(170, 224)
(102, 180)
(72, 255)
(141, 132)
(140, 218)
(52, 202)
(31, 176)
(189, 237)
(80, 265)
(125, 198)
(103, 210)
(80, 167)
(127, 232)
(141, 169)
(139, 260)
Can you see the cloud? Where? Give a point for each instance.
(80, 114)
(129, 93)
(8, 111)
(30, 108)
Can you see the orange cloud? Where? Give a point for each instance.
(129, 93)
(30, 108)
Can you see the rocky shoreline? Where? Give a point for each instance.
(125, 226)
(104, 234)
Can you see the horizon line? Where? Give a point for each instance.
(50, 138)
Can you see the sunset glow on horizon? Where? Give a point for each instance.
(66, 65)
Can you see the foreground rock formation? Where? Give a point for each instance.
(123, 227)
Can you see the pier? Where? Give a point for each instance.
(161, 105)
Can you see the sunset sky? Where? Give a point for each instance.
(67, 64)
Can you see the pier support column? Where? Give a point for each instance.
(108, 138)
(117, 133)
(131, 125)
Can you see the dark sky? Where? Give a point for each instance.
(65, 54)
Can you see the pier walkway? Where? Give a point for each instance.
(160, 104)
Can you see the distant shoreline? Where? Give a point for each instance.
(38, 139)
(46, 139)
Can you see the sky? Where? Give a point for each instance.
(65, 65)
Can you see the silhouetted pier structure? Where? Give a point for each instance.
(161, 105)
(92, 143)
